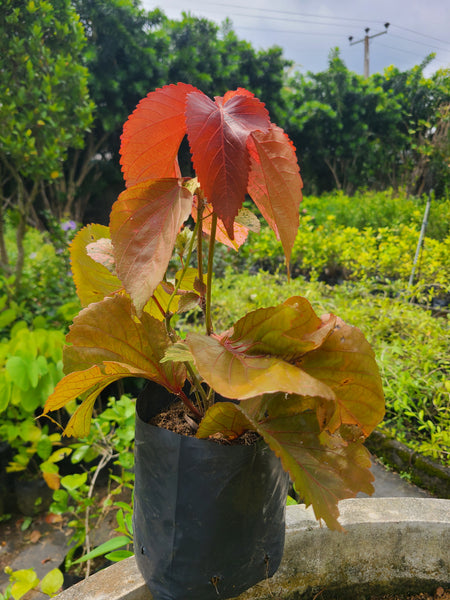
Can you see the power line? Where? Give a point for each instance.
(447, 43)
(313, 15)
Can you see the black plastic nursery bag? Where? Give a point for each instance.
(208, 518)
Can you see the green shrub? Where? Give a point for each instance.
(334, 253)
(30, 367)
(379, 209)
(46, 283)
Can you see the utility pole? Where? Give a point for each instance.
(366, 39)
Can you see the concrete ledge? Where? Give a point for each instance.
(390, 544)
(424, 472)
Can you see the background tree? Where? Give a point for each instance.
(214, 59)
(422, 156)
(338, 121)
(389, 130)
(126, 56)
(129, 53)
(44, 105)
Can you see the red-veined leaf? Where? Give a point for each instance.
(217, 133)
(275, 184)
(234, 374)
(153, 133)
(145, 222)
(108, 331)
(287, 330)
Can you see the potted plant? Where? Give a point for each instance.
(307, 386)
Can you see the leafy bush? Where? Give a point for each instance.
(46, 286)
(108, 447)
(412, 347)
(379, 209)
(30, 367)
(334, 253)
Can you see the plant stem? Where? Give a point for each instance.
(212, 240)
(200, 209)
(189, 404)
(178, 282)
(198, 386)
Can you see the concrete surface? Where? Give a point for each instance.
(390, 544)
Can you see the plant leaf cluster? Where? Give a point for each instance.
(308, 385)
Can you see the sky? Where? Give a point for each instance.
(308, 29)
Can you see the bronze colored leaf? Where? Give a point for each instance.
(108, 331)
(275, 184)
(324, 469)
(88, 383)
(145, 222)
(346, 363)
(288, 330)
(234, 374)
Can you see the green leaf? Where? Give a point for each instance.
(73, 482)
(52, 582)
(178, 352)
(119, 555)
(17, 368)
(24, 581)
(5, 391)
(112, 544)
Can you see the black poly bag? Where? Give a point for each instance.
(208, 518)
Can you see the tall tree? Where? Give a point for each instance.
(44, 104)
(214, 59)
(339, 121)
(424, 126)
(126, 57)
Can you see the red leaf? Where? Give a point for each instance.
(217, 133)
(145, 222)
(153, 133)
(275, 184)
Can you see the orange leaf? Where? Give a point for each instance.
(52, 480)
(240, 231)
(153, 133)
(145, 222)
(275, 184)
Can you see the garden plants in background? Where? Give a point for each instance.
(307, 385)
